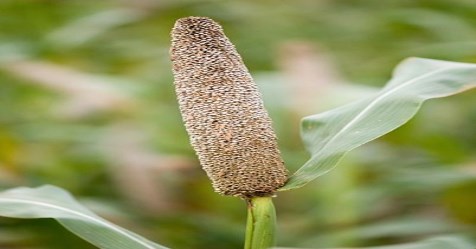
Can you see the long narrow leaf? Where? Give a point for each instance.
(53, 202)
(328, 136)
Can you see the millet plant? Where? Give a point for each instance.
(232, 134)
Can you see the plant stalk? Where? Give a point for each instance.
(260, 224)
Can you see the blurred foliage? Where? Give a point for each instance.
(87, 103)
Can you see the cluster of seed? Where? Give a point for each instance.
(223, 112)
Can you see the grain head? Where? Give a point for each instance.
(223, 112)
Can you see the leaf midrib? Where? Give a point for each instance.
(3, 199)
(376, 100)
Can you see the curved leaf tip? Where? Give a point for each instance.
(329, 135)
(53, 202)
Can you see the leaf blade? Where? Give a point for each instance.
(52, 202)
(330, 135)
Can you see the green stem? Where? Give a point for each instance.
(260, 224)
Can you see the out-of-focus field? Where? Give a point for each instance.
(87, 103)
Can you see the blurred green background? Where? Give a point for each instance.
(87, 103)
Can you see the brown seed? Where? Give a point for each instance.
(223, 111)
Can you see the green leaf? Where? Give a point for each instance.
(329, 135)
(53, 202)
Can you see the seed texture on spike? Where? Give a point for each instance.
(223, 112)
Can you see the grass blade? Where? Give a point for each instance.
(328, 136)
(53, 202)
